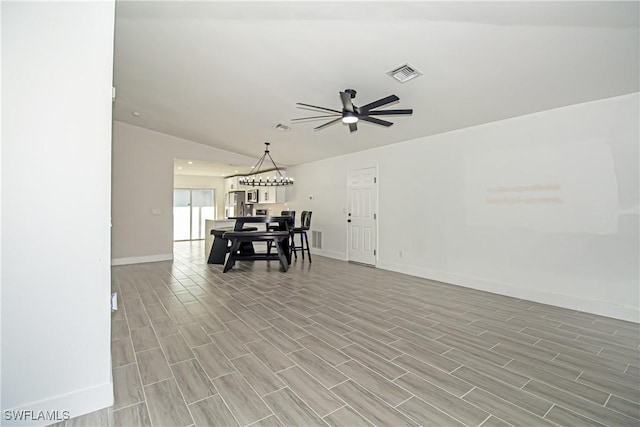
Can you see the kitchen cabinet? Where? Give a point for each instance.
(230, 184)
(266, 195)
(272, 195)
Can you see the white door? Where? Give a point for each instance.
(362, 215)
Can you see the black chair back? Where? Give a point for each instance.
(292, 214)
(305, 220)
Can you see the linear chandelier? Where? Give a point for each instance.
(255, 181)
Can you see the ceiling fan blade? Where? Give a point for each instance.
(319, 108)
(353, 127)
(346, 101)
(376, 121)
(328, 124)
(389, 112)
(314, 117)
(379, 103)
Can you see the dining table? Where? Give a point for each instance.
(220, 245)
(283, 221)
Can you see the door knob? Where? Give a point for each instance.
(348, 220)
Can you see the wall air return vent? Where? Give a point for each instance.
(404, 73)
(316, 239)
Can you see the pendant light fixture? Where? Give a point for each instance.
(277, 179)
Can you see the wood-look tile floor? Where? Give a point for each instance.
(333, 343)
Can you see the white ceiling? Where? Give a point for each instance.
(224, 73)
(207, 168)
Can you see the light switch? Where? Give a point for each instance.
(156, 211)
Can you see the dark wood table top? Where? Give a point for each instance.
(260, 218)
(241, 220)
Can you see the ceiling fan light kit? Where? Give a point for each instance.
(352, 114)
(349, 117)
(255, 180)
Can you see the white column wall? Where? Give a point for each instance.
(57, 61)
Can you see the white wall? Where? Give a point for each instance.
(142, 181)
(321, 187)
(198, 181)
(57, 61)
(463, 207)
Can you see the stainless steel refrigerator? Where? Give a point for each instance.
(235, 205)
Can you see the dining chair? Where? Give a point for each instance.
(305, 225)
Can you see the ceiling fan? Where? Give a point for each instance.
(351, 114)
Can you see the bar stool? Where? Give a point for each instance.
(292, 221)
(305, 225)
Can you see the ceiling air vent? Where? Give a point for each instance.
(404, 73)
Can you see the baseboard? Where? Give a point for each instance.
(50, 411)
(329, 254)
(602, 308)
(142, 259)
